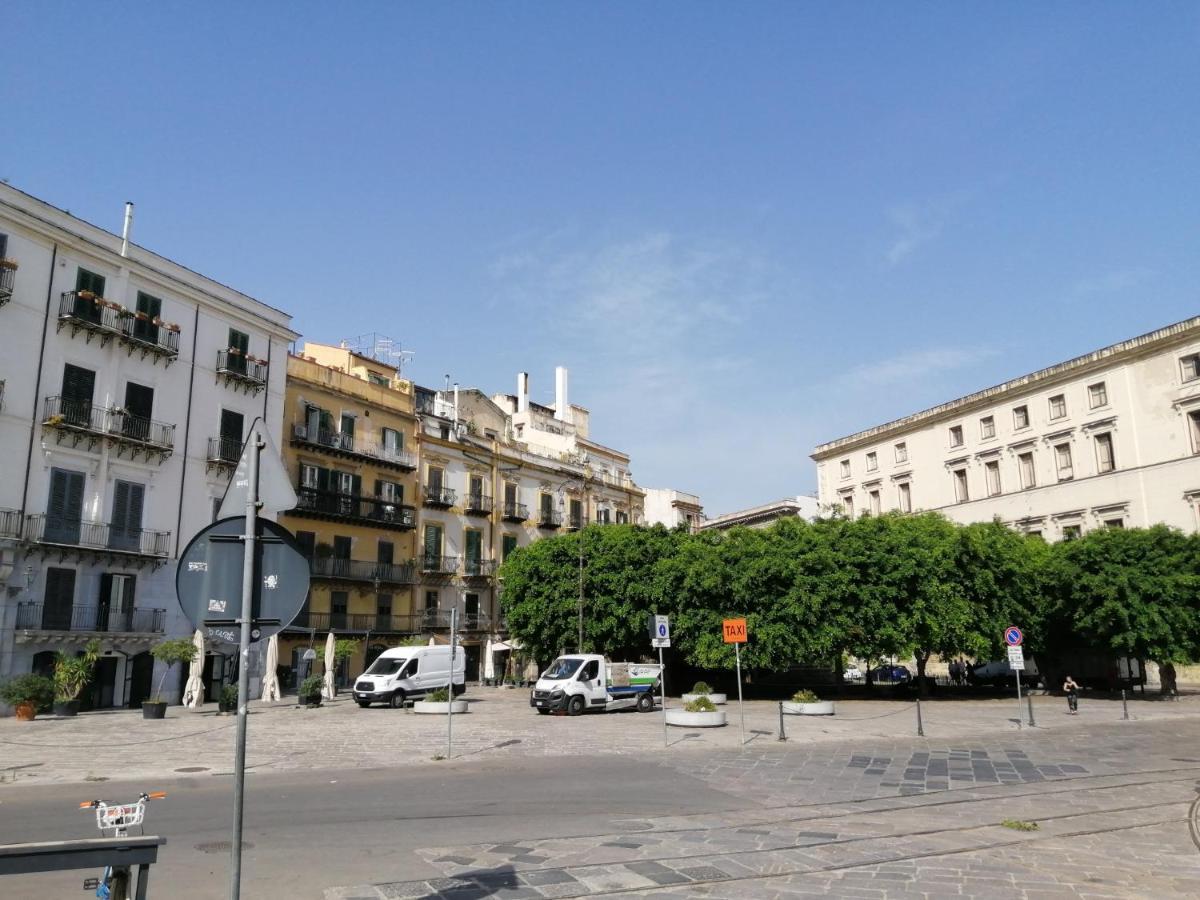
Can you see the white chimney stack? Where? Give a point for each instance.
(522, 392)
(456, 403)
(128, 228)
(561, 409)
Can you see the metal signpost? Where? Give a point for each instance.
(660, 636)
(450, 705)
(1013, 637)
(273, 584)
(734, 632)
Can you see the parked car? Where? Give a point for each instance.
(890, 675)
(998, 673)
(852, 673)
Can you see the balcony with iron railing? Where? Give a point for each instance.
(379, 623)
(439, 619)
(99, 537)
(348, 445)
(549, 518)
(574, 523)
(52, 617)
(477, 504)
(437, 566)
(141, 332)
(375, 511)
(223, 453)
(478, 568)
(438, 496)
(239, 370)
(363, 570)
(514, 512)
(82, 420)
(10, 523)
(8, 277)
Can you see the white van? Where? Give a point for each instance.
(408, 673)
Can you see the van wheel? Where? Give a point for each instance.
(575, 705)
(398, 699)
(645, 702)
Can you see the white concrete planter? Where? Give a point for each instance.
(820, 708)
(717, 699)
(685, 719)
(429, 708)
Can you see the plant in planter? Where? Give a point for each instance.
(71, 675)
(441, 695)
(702, 689)
(169, 653)
(441, 702)
(28, 694)
(699, 712)
(310, 690)
(806, 703)
(7, 263)
(227, 701)
(700, 704)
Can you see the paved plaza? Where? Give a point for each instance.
(851, 806)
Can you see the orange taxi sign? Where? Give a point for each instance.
(734, 631)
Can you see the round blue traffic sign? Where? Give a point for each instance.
(662, 629)
(1013, 636)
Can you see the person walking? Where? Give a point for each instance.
(1071, 689)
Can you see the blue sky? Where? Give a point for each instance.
(746, 228)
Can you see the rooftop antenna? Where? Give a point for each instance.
(380, 347)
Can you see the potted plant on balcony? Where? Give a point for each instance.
(169, 653)
(806, 703)
(701, 689)
(439, 703)
(86, 295)
(71, 675)
(227, 699)
(27, 695)
(310, 691)
(700, 713)
(10, 264)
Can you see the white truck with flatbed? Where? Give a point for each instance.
(578, 682)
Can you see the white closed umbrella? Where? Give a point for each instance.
(328, 688)
(432, 641)
(489, 664)
(193, 691)
(531, 670)
(270, 684)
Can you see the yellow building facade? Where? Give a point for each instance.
(350, 447)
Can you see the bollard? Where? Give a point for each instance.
(782, 733)
(920, 724)
(1124, 705)
(1029, 701)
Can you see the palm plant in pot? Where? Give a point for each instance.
(27, 694)
(71, 675)
(169, 653)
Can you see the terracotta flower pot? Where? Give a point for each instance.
(25, 712)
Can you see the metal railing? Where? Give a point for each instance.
(363, 570)
(348, 443)
(440, 618)
(438, 495)
(352, 506)
(113, 422)
(477, 503)
(515, 512)
(51, 617)
(89, 311)
(479, 568)
(361, 622)
(549, 518)
(237, 366)
(10, 523)
(226, 451)
(437, 565)
(68, 532)
(145, 334)
(8, 278)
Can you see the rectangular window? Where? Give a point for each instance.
(433, 543)
(389, 491)
(1105, 460)
(622, 518)
(902, 452)
(508, 544)
(338, 601)
(576, 512)
(383, 607)
(393, 441)
(59, 599)
(239, 345)
(347, 431)
(149, 309)
(114, 611)
(78, 388)
(993, 477)
(125, 527)
(546, 505)
(1071, 532)
(64, 507)
(1194, 428)
(1020, 417)
(1062, 457)
(1114, 523)
(987, 427)
(872, 461)
(873, 496)
(431, 599)
(134, 422)
(86, 307)
(1097, 395)
(385, 552)
(308, 542)
(1028, 472)
(956, 436)
(848, 506)
(845, 468)
(1191, 366)
(1058, 406)
(961, 494)
(436, 480)
(473, 544)
(230, 445)
(904, 497)
(377, 379)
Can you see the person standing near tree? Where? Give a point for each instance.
(1071, 689)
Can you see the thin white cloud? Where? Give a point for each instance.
(916, 365)
(917, 224)
(1113, 282)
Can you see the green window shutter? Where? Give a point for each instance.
(89, 281)
(433, 540)
(508, 545)
(474, 545)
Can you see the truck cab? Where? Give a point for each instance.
(579, 682)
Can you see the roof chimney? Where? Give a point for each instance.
(561, 409)
(128, 228)
(522, 392)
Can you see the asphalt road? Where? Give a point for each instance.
(312, 830)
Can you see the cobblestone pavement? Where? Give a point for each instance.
(1113, 809)
(284, 737)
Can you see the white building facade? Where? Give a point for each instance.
(129, 383)
(672, 508)
(1109, 439)
(764, 515)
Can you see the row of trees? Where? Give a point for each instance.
(871, 587)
